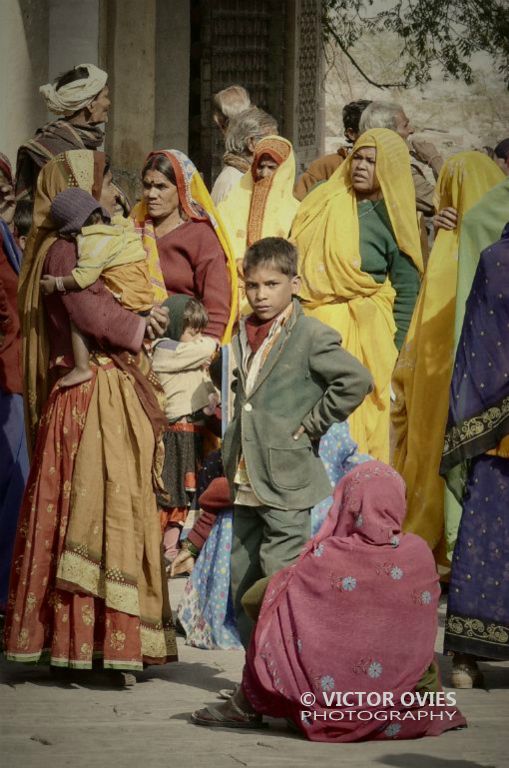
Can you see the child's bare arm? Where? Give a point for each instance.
(50, 284)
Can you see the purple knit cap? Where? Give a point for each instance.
(71, 208)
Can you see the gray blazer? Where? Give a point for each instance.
(308, 379)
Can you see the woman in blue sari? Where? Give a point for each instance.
(13, 449)
(475, 464)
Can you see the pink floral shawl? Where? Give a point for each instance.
(357, 612)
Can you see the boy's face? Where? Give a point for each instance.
(269, 291)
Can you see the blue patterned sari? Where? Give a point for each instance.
(475, 463)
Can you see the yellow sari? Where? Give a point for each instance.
(336, 291)
(197, 205)
(423, 372)
(265, 208)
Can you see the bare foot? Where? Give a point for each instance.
(76, 376)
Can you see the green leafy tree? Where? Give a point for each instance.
(446, 33)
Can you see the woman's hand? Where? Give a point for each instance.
(446, 219)
(157, 322)
(210, 409)
(424, 151)
(183, 563)
(48, 284)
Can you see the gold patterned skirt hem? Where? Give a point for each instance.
(476, 637)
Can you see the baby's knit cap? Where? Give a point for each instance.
(71, 208)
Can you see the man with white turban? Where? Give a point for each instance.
(80, 99)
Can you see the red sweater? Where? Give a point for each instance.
(194, 263)
(94, 311)
(214, 500)
(10, 345)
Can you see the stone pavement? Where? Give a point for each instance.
(44, 725)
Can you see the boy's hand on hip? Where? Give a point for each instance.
(299, 432)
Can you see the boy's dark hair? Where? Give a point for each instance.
(272, 250)
(352, 114)
(194, 316)
(23, 215)
(96, 217)
(502, 149)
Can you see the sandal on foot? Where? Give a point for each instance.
(212, 717)
(227, 693)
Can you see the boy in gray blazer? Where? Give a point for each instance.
(293, 381)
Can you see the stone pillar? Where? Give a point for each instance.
(73, 34)
(23, 68)
(130, 60)
(173, 34)
(304, 95)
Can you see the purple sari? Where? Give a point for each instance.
(478, 607)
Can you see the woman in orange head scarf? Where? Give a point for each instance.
(262, 204)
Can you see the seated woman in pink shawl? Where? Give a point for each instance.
(357, 615)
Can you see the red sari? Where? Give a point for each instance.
(87, 580)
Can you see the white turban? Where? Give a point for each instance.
(76, 95)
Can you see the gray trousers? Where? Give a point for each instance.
(265, 540)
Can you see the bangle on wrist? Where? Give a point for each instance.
(59, 283)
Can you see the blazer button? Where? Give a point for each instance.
(248, 407)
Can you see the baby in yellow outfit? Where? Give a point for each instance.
(110, 249)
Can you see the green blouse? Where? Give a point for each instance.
(381, 258)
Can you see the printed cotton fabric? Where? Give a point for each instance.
(356, 612)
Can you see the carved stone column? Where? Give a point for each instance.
(304, 96)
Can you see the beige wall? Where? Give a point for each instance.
(73, 34)
(39, 39)
(23, 67)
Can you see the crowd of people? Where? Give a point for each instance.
(298, 360)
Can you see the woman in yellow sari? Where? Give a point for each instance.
(423, 372)
(262, 204)
(360, 258)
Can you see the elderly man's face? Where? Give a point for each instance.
(403, 126)
(100, 106)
